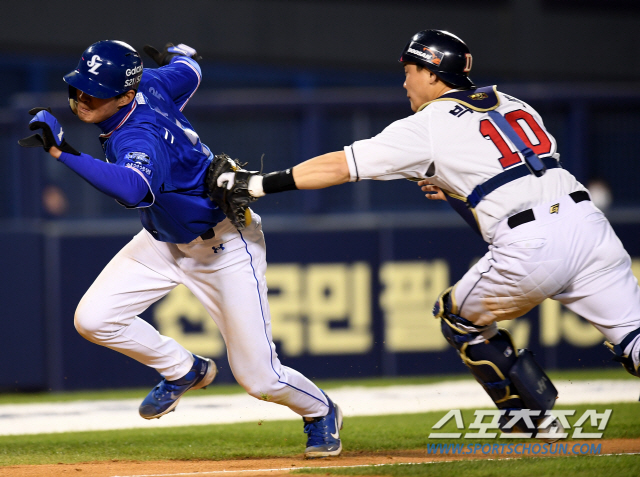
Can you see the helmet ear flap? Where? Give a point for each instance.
(73, 100)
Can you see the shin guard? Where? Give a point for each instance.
(512, 378)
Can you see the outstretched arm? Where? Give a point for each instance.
(322, 171)
(234, 188)
(317, 173)
(121, 183)
(124, 184)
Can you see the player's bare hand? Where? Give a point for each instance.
(432, 192)
(55, 152)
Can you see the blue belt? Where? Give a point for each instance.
(516, 172)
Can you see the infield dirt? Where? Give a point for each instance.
(273, 467)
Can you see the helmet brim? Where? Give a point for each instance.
(89, 85)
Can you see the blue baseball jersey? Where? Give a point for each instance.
(153, 137)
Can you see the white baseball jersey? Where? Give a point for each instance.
(565, 249)
(458, 148)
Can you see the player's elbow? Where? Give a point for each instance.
(341, 168)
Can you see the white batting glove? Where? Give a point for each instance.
(182, 49)
(228, 179)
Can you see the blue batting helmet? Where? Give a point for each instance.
(107, 68)
(442, 53)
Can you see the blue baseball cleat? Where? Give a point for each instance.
(324, 433)
(165, 396)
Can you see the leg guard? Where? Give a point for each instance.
(625, 359)
(510, 377)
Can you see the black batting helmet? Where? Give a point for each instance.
(442, 53)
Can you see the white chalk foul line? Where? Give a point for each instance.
(200, 409)
(289, 469)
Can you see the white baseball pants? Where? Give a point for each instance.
(231, 285)
(571, 255)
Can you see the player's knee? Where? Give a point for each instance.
(512, 379)
(86, 323)
(264, 389)
(627, 352)
(456, 329)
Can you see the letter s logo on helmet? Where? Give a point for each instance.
(107, 68)
(442, 53)
(94, 63)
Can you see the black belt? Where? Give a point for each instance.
(528, 216)
(209, 234)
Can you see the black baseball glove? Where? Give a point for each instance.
(52, 133)
(163, 58)
(233, 201)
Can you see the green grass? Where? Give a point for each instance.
(264, 439)
(582, 466)
(140, 393)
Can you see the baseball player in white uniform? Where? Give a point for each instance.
(491, 157)
(156, 163)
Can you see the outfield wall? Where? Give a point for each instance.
(350, 296)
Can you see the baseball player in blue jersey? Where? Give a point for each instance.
(156, 163)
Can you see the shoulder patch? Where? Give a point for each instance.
(139, 157)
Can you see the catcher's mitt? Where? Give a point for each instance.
(234, 202)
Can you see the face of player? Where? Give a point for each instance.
(94, 110)
(421, 85)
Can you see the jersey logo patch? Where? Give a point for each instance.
(554, 209)
(478, 96)
(218, 249)
(139, 157)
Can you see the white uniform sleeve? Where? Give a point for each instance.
(401, 151)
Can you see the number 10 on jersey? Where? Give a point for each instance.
(534, 137)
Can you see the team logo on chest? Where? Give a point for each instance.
(218, 249)
(554, 209)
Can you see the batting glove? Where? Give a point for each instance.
(52, 133)
(164, 58)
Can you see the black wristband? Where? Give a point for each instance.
(278, 182)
